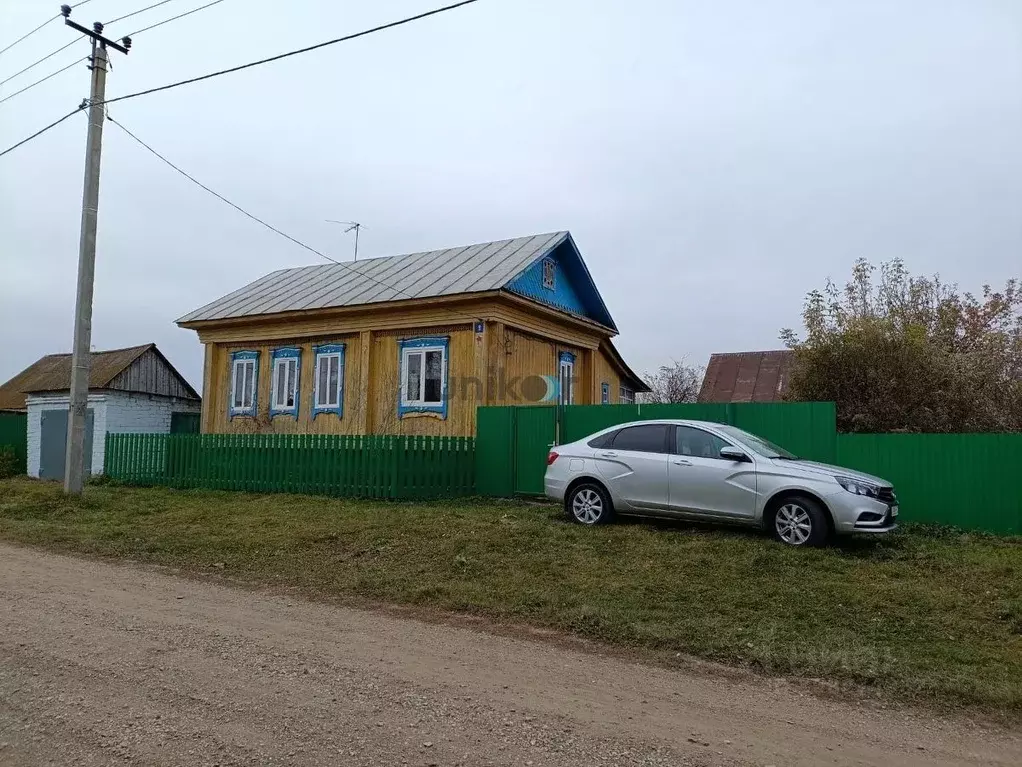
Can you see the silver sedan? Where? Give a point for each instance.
(702, 470)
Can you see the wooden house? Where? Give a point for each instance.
(410, 344)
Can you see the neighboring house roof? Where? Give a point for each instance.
(486, 266)
(747, 376)
(115, 369)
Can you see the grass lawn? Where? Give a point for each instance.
(925, 616)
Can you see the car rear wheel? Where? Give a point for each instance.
(799, 521)
(589, 504)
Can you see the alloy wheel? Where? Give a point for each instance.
(587, 506)
(793, 523)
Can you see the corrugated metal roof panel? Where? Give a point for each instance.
(466, 269)
(747, 376)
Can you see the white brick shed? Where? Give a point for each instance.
(130, 390)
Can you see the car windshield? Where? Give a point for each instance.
(761, 446)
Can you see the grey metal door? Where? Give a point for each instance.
(53, 443)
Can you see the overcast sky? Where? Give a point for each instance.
(714, 160)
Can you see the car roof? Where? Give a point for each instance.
(663, 421)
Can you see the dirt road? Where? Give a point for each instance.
(106, 664)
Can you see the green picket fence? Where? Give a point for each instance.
(14, 439)
(355, 466)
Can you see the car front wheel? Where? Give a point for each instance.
(799, 521)
(589, 504)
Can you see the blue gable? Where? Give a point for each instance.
(573, 289)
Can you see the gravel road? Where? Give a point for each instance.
(105, 664)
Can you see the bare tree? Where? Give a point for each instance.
(673, 383)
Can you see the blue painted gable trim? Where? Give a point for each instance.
(574, 290)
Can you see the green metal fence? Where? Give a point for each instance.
(512, 442)
(14, 438)
(967, 480)
(358, 466)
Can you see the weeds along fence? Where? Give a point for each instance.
(386, 467)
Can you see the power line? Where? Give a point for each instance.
(258, 220)
(175, 18)
(29, 34)
(38, 82)
(42, 131)
(135, 13)
(278, 57)
(44, 58)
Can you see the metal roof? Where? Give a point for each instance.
(747, 376)
(469, 269)
(53, 373)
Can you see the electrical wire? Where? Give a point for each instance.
(135, 13)
(175, 18)
(43, 80)
(258, 220)
(42, 131)
(278, 57)
(29, 34)
(40, 61)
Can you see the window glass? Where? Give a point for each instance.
(648, 438)
(413, 377)
(291, 391)
(239, 384)
(328, 380)
(698, 443)
(434, 376)
(603, 440)
(626, 396)
(549, 272)
(757, 444)
(567, 373)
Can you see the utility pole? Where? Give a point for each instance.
(352, 225)
(74, 465)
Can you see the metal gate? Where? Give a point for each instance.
(53, 443)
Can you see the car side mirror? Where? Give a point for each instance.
(734, 454)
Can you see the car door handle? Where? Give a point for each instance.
(608, 455)
(682, 462)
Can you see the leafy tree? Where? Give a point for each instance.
(904, 353)
(673, 383)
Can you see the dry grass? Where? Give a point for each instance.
(925, 615)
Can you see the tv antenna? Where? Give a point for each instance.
(352, 226)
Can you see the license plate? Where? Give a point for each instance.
(894, 511)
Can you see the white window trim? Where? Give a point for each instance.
(622, 398)
(275, 406)
(243, 363)
(316, 402)
(570, 366)
(416, 350)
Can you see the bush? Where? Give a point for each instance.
(10, 466)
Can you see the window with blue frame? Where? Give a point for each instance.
(284, 391)
(566, 378)
(244, 377)
(328, 391)
(423, 369)
(604, 393)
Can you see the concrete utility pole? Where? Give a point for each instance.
(74, 465)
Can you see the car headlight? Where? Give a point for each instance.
(858, 487)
